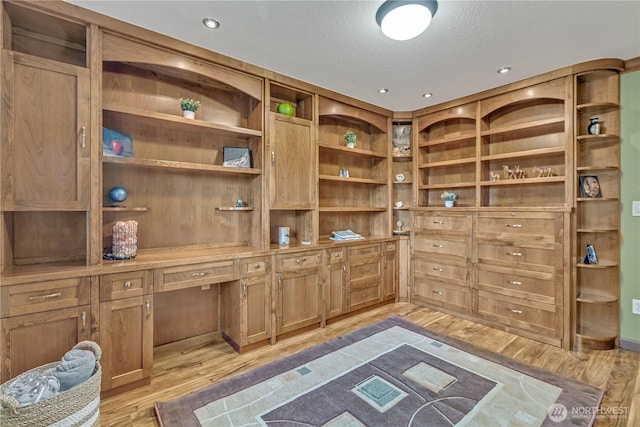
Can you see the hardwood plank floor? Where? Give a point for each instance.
(176, 373)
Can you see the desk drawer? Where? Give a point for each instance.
(439, 246)
(362, 297)
(535, 226)
(527, 315)
(44, 296)
(257, 266)
(291, 262)
(437, 221)
(124, 285)
(363, 251)
(336, 255)
(188, 276)
(360, 270)
(519, 256)
(442, 270)
(533, 286)
(441, 295)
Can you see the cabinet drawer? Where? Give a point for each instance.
(441, 295)
(390, 247)
(437, 221)
(449, 247)
(124, 285)
(537, 226)
(363, 296)
(359, 270)
(546, 260)
(363, 251)
(543, 319)
(43, 296)
(442, 270)
(258, 266)
(541, 287)
(299, 260)
(187, 276)
(336, 255)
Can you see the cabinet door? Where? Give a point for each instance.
(36, 339)
(298, 300)
(292, 179)
(45, 134)
(335, 290)
(126, 338)
(390, 277)
(256, 309)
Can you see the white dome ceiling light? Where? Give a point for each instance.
(404, 20)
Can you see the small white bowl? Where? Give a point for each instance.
(399, 204)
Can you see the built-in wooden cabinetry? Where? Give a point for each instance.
(597, 219)
(402, 194)
(524, 146)
(359, 199)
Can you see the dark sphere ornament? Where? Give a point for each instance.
(117, 194)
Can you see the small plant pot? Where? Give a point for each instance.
(448, 203)
(351, 145)
(188, 114)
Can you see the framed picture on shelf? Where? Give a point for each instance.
(590, 187)
(236, 157)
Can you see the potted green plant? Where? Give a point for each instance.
(189, 107)
(350, 139)
(449, 198)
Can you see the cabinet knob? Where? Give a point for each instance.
(257, 266)
(127, 285)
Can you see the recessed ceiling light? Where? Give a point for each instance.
(504, 70)
(210, 23)
(383, 90)
(427, 95)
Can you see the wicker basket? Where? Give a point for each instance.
(78, 406)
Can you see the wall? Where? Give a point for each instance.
(630, 225)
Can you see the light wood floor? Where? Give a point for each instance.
(177, 373)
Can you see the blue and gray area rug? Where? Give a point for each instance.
(392, 373)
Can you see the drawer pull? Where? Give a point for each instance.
(299, 260)
(514, 282)
(438, 293)
(514, 225)
(337, 255)
(365, 251)
(438, 246)
(83, 141)
(41, 297)
(438, 222)
(438, 269)
(515, 311)
(365, 294)
(391, 247)
(147, 305)
(127, 284)
(244, 289)
(257, 266)
(366, 270)
(514, 253)
(202, 274)
(84, 319)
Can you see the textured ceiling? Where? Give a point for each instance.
(338, 45)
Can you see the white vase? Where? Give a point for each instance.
(188, 114)
(448, 203)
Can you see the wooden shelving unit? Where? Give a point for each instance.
(361, 201)
(597, 220)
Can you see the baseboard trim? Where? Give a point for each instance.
(630, 345)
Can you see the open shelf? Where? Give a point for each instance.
(540, 126)
(524, 181)
(352, 179)
(352, 151)
(590, 298)
(343, 209)
(449, 139)
(447, 163)
(125, 209)
(170, 164)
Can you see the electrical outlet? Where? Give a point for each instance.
(635, 306)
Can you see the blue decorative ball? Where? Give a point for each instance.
(117, 194)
